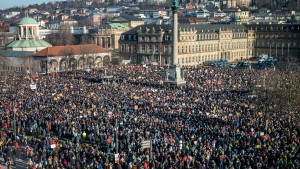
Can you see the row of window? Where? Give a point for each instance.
(187, 49)
(278, 44)
(214, 47)
(278, 35)
(145, 38)
(213, 56)
(12, 68)
(191, 60)
(186, 38)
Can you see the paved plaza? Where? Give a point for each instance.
(77, 120)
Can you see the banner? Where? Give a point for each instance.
(117, 158)
(33, 86)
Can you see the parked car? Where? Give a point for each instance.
(232, 65)
(243, 64)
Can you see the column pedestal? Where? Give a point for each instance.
(174, 76)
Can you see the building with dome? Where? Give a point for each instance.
(28, 37)
(18, 52)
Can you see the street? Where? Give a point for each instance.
(20, 164)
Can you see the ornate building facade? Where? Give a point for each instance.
(279, 41)
(28, 37)
(196, 43)
(108, 35)
(71, 57)
(26, 42)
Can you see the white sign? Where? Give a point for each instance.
(33, 86)
(117, 158)
(53, 146)
(125, 62)
(146, 144)
(109, 114)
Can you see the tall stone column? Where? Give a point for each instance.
(96, 40)
(175, 36)
(22, 31)
(32, 35)
(174, 76)
(100, 42)
(26, 33)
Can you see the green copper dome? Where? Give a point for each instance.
(27, 20)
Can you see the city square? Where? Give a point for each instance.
(67, 121)
(151, 96)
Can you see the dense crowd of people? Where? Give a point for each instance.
(70, 121)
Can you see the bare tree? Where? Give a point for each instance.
(4, 38)
(62, 38)
(3, 66)
(67, 37)
(279, 93)
(84, 39)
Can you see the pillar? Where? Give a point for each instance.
(100, 41)
(32, 32)
(95, 40)
(175, 35)
(26, 32)
(22, 31)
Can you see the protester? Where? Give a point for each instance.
(74, 120)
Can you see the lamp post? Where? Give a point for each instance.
(15, 129)
(117, 141)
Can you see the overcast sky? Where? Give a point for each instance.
(11, 3)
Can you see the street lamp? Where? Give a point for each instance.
(117, 141)
(15, 129)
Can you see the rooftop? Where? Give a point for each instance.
(200, 28)
(70, 50)
(130, 17)
(28, 43)
(113, 26)
(27, 20)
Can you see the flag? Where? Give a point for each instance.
(57, 75)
